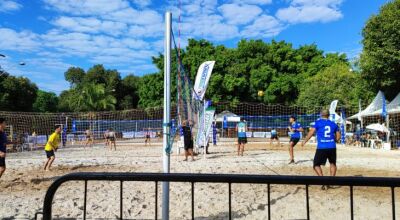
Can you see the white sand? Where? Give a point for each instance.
(24, 184)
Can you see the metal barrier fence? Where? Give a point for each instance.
(229, 179)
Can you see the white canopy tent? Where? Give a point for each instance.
(392, 108)
(231, 117)
(374, 108)
(378, 127)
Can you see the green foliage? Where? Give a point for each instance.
(94, 97)
(151, 90)
(380, 59)
(17, 93)
(335, 82)
(45, 102)
(74, 75)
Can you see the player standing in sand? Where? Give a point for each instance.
(274, 136)
(3, 146)
(89, 138)
(241, 129)
(327, 134)
(147, 140)
(294, 129)
(187, 140)
(112, 138)
(105, 135)
(51, 146)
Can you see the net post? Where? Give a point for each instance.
(167, 113)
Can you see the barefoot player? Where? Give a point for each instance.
(187, 140)
(147, 140)
(295, 129)
(274, 136)
(89, 138)
(241, 129)
(328, 133)
(3, 146)
(51, 146)
(112, 138)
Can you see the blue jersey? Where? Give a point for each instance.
(3, 142)
(326, 133)
(296, 133)
(273, 132)
(241, 128)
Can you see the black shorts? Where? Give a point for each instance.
(295, 141)
(321, 155)
(50, 153)
(188, 145)
(2, 162)
(242, 140)
(147, 136)
(112, 139)
(274, 137)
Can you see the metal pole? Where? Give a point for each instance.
(388, 133)
(167, 103)
(205, 129)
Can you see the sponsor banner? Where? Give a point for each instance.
(205, 127)
(202, 79)
(259, 134)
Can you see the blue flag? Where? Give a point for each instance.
(343, 128)
(384, 110)
(225, 123)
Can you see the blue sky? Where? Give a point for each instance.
(52, 35)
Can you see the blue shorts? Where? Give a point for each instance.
(294, 140)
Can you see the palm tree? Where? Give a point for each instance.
(93, 97)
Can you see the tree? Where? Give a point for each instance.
(67, 101)
(94, 97)
(17, 93)
(380, 58)
(334, 82)
(151, 90)
(45, 102)
(128, 95)
(74, 75)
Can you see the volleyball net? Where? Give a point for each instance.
(134, 125)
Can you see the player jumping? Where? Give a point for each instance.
(295, 129)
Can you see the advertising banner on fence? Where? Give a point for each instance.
(202, 78)
(205, 128)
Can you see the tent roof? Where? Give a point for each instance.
(392, 107)
(375, 106)
(220, 116)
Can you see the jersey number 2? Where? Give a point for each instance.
(327, 131)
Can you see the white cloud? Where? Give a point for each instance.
(308, 14)
(264, 26)
(18, 41)
(307, 11)
(255, 2)
(87, 7)
(115, 10)
(151, 30)
(9, 5)
(132, 16)
(239, 14)
(210, 27)
(330, 3)
(90, 25)
(141, 3)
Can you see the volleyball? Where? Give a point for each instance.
(260, 93)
